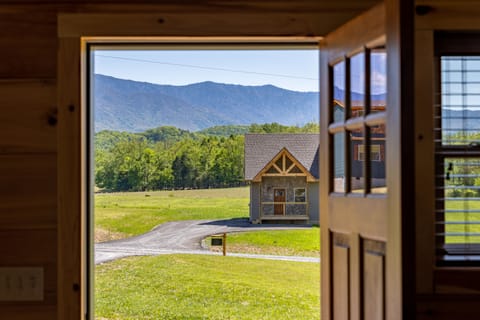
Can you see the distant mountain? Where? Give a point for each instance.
(376, 99)
(454, 120)
(125, 105)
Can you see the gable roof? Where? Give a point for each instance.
(260, 149)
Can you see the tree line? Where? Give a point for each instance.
(168, 157)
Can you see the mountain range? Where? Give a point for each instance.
(125, 105)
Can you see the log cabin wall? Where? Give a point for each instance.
(28, 100)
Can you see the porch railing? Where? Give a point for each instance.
(289, 209)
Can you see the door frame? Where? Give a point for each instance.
(75, 33)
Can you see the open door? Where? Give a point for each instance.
(355, 193)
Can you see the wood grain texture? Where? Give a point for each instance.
(195, 24)
(449, 15)
(36, 248)
(400, 258)
(340, 280)
(71, 192)
(28, 312)
(424, 160)
(29, 45)
(373, 280)
(27, 107)
(357, 33)
(28, 191)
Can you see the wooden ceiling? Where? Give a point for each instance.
(322, 16)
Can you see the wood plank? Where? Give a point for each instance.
(424, 158)
(447, 307)
(71, 194)
(449, 15)
(28, 312)
(27, 107)
(350, 37)
(195, 24)
(35, 248)
(28, 191)
(29, 45)
(400, 264)
(326, 167)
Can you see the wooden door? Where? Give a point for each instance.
(354, 201)
(279, 196)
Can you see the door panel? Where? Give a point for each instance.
(279, 196)
(373, 279)
(353, 207)
(341, 275)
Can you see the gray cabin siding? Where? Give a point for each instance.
(254, 201)
(313, 203)
(289, 184)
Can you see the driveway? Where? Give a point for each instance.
(185, 237)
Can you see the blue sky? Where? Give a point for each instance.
(296, 70)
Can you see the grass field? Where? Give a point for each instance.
(207, 287)
(119, 215)
(472, 219)
(304, 242)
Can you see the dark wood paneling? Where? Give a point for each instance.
(28, 312)
(28, 191)
(29, 45)
(35, 248)
(447, 307)
(28, 116)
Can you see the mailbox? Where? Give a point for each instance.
(217, 241)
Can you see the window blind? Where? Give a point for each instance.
(457, 152)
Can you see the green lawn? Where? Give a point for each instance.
(207, 287)
(457, 217)
(303, 242)
(119, 215)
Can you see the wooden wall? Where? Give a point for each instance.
(28, 192)
(28, 131)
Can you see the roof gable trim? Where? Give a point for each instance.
(286, 169)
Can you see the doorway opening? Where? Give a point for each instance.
(173, 152)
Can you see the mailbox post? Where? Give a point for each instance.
(220, 240)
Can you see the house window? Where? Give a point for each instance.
(300, 195)
(457, 156)
(375, 154)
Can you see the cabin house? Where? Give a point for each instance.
(283, 173)
(409, 252)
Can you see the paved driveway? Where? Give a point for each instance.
(185, 237)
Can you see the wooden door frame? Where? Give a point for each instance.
(75, 33)
(440, 290)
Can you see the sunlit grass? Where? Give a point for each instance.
(303, 242)
(133, 213)
(462, 217)
(207, 287)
